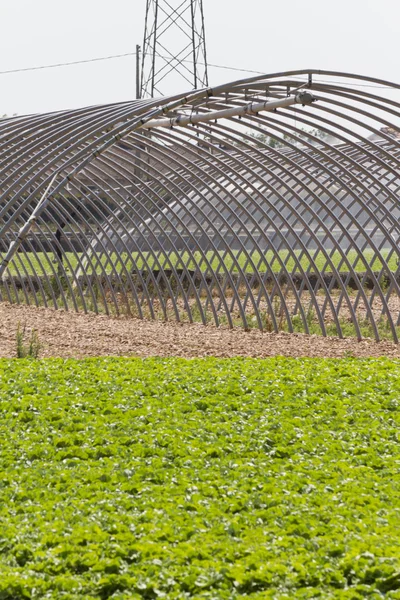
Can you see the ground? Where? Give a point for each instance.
(70, 334)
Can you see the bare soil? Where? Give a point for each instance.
(70, 334)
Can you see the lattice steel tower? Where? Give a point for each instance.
(174, 47)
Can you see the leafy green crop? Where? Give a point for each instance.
(172, 478)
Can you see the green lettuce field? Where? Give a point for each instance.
(208, 478)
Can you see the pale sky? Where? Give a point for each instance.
(359, 36)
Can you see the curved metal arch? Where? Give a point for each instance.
(106, 209)
(256, 247)
(298, 218)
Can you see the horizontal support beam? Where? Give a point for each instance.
(303, 97)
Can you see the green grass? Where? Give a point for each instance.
(218, 479)
(42, 263)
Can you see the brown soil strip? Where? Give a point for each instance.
(69, 334)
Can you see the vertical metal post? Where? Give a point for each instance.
(137, 71)
(153, 67)
(204, 79)
(193, 45)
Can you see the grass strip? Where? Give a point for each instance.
(42, 263)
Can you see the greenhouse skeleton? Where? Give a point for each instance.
(270, 202)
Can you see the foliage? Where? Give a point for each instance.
(301, 133)
(29, 349)
(166, 478)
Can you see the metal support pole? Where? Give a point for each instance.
(193, 45)
(23, 232)
(137, 71)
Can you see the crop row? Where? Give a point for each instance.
(222, 479)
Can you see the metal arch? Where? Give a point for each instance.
(236, 205)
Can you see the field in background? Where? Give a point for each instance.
(208, 478)
(29, 263)
(146, 287)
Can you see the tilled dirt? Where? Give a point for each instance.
(70, 334)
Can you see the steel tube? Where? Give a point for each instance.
(245, 204)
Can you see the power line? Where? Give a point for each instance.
(67, 64)
(113, 56)
(237, 69)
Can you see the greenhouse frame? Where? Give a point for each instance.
(270, 202)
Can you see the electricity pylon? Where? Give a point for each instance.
(174, 48)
